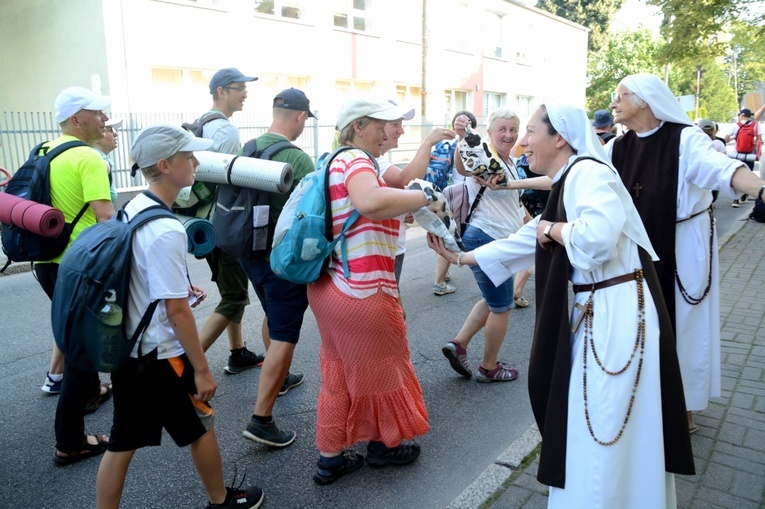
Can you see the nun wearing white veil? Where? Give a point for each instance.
(604, 381)
(669, 166)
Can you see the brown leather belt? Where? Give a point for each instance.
(632, 276)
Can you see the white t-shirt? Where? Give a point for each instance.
(159, 272)
(384, 164)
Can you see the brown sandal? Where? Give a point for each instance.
(84, 451)
(96, 402)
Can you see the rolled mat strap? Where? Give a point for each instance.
(31, 216)
(201, 239)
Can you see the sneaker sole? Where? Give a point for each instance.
(455, 363)
(249, 436)
(235, 371)
(47, 390)
(383, 462)
(324, 480)
(285, 391)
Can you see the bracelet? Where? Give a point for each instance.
(459, 259)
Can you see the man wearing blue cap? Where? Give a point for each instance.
(603, 123)
(228, 88)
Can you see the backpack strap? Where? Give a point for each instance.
(328, 213)
(52, 153)
(148, 214)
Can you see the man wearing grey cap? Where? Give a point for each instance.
(79, 186)
(228, 88)
(166, 383)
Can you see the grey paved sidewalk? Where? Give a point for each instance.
(729, 448)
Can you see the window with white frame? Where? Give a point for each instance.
(524, 105)
(353, 14)
(492, 101)
(292, 9)
(492, 35)
(456, 100)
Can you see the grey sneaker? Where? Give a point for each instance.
(241, 359)
(457, 357)
(268, 434)
(292, 380)
(443, 289)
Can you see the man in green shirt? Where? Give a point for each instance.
(284, 303)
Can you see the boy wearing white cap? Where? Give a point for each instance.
(170, 385)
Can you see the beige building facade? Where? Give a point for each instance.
(157, 56)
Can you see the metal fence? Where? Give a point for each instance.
(21, 131)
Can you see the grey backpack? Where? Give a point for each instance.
(241, 222)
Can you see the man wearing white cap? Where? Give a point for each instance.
(79, 187)
(170, 386)
(228, 88)
(106, 146)
(669, 166)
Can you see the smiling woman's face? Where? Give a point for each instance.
(539, 145)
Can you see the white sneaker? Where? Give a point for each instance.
(443, 289)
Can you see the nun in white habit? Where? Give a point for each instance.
(669, 166)
(604, 381)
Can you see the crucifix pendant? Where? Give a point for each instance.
(637, 187)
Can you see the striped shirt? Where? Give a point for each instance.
(370, 244)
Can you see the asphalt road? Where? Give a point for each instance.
(471, 424)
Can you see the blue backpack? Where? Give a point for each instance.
(32, 182)
(96, 270)
(441, 163)
(303, 237)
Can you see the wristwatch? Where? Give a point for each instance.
(548, 230)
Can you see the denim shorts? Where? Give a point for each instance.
(284, 303)
(499, 298)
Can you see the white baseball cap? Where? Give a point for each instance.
(116, 123)
(381, 110)
(73, 99)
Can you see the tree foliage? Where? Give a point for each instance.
(695, 31)
(625, 53)
(632, 52)
(593, 14)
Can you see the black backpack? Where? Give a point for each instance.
(758, 212)
(241, 222)
(32, 182)
(96, 270)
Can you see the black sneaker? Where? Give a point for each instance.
(248, 498)
(352, 461)
(378, 455)
(292, 380)
(268, 434)
(241, 359)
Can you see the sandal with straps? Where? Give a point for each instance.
(379, 456)
(84, 451)
(499, 374)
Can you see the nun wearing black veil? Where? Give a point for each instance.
(604, 380)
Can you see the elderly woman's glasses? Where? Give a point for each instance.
(616, 97)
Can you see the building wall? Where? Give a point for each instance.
(47, 45)
(156, 57)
